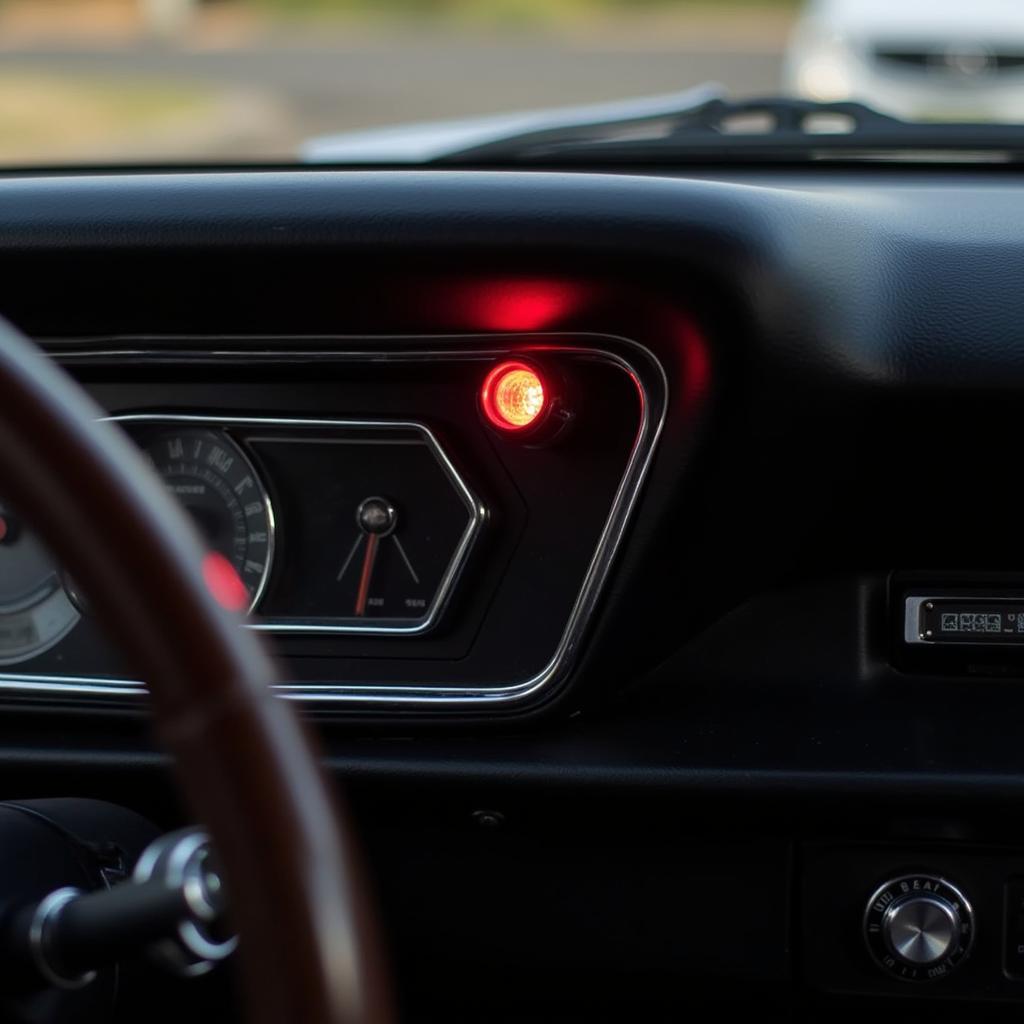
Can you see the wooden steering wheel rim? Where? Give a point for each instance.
(245, 763)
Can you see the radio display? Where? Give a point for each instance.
(948, 620)
(971, 622)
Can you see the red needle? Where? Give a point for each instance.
(364, 577)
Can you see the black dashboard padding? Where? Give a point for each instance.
(904, 281)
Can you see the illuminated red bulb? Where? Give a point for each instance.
(513, 397)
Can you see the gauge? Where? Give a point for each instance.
(218, 486)
(35, 611)
(379, 527)
(377, 574)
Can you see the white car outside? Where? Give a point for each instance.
(921, 60)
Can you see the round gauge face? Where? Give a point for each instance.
(35, 611)
(216, 483)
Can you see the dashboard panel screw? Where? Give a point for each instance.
(489, 819)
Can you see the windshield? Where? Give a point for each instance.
(238, 81)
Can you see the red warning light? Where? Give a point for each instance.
(513, 396)
(224, 583)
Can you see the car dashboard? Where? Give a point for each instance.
(649, 699)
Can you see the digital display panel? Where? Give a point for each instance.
(949, 620)
(971, 622)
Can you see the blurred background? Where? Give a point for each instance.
(101, 81)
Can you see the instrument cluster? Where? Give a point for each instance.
(409, 529)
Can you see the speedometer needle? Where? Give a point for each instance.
(372, 539)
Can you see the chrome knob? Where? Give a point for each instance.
(921, 929)
(918, 927)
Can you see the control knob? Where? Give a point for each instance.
(918, 927)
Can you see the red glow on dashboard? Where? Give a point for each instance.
(696, 363)
(223, 582)
(522, 305)
(513, 396)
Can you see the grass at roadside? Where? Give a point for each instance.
(45, 118)
(464, 6)
(522, 11)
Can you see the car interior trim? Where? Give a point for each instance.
(649, 377)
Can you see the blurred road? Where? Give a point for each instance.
(235, 84)
(309, 86)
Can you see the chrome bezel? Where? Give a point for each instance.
(388, 697)
(40, 608)
(44, 917)
(966, 915)
(198, 424)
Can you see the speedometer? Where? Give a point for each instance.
(214, 480)
(35, 611)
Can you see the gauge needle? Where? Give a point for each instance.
(369, 558)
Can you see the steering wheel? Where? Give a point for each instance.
(246, 766)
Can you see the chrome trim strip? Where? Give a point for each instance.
(72, 686)
(380, 696)
(477, 512)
